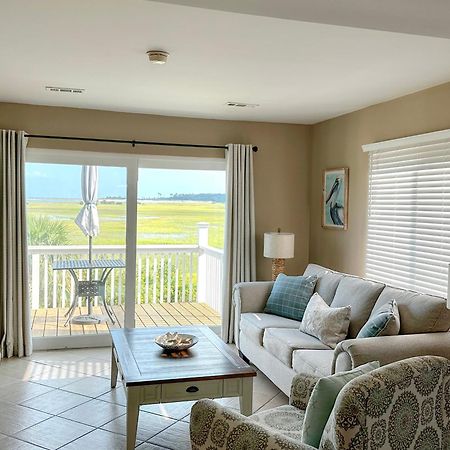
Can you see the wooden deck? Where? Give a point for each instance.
(50, 322)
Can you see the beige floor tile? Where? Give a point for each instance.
(20, 369)
(14, 418)
(54, 433)
(10, 443)
(22, 391)
(90, 386)
(90, 366)
(148, 446)
(176, 410)
(57, 357)
(116, 395)
(56, 377)
(6, 380)
(55, 402)
(99, 440)
(175, 437)
(95, 413)
(148, 426)
(279, 400)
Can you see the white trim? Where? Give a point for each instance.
(181, 162)
(62, 342)
(436, 137)
(52, 156)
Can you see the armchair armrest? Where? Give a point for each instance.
(388, 349)
(301, 390)
(218, 427)
(251, 296)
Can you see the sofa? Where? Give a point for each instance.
(403, 405)
(275, 345)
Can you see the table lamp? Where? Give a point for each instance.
(278, 246)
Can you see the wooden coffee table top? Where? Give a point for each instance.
(143, 362)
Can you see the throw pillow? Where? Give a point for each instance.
(385, 321)
(290, 295)
(330, 325)
(322, 401)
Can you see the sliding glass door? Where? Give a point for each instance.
(156, 258)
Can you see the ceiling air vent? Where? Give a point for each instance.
(241, 105)
(65, 90)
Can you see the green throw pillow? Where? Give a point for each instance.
(385, 321)
(322, 401)
(290, 295)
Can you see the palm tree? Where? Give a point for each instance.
(44, 231)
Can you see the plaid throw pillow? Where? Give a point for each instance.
(290, 295)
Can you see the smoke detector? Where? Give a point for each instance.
(242, 105)
(157, 56)
(65, 90)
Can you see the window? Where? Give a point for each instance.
(408, 242)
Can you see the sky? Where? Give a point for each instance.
(63, 181)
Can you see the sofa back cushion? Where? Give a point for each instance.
(361, 295)
(419, 313)
(327, 281)
(290, 295)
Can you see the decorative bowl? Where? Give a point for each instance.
(176, 342)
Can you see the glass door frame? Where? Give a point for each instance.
(132, 163)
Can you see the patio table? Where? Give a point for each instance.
(89, 288)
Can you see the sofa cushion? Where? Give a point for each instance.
(254, 324)
(286, 420)
(330, 325)
(361, 295)
(313, 362)
(419, 313)
(281, 342)
(290, 295)
(322, 401)
(384, 321)
(327, 281)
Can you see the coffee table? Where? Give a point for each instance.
(210, 369)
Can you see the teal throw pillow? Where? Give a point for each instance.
(323, 399)
(385, 321)
(290, 295)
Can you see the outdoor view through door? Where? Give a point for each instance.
(180, 224)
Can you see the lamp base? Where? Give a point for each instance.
(278, 266)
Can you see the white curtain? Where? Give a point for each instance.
(15, 329)
(239, 259)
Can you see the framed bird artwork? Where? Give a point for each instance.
(335, 198)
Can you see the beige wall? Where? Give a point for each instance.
(337, 143)
(281, 165)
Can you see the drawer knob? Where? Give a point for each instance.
(192, 389)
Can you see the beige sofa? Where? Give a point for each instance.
(276, 346)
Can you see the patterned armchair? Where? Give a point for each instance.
(401, 406)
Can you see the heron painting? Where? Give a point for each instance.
(335, 198)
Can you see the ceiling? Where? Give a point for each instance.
(297, 71)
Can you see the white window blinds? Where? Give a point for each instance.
(408, 243)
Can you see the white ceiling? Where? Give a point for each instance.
(299, 72)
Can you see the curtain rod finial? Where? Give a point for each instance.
(255, 148)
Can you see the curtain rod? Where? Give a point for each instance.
(132, 142)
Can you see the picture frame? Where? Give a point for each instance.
(335, 198)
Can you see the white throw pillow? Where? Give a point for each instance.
(330, 325)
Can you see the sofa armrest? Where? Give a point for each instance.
(251, 296)
(218, 427)
(301, 390)
(388, 349)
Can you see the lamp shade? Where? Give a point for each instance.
(279, 245)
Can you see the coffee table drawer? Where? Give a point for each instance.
(191, 390)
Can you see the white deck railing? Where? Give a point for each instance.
(165, 273)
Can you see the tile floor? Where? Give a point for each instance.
(62, 400)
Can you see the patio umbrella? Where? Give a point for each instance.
(87, 218)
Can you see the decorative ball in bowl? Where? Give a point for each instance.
(176, 342)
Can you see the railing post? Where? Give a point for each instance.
(35, 287)
(203, 229)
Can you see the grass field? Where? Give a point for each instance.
(158, 222)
